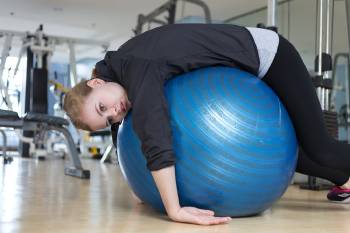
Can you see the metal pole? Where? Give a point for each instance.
(169, 7)
(20, 55)
(172, 12)
(271, 13)
(4, 146)
(319, 39)
(329, 26)
(57, 39)
(207, 14)
(39, 42)
(347, 10)
(73, 65)
(73, 153)
(329, 44)
(5, 53)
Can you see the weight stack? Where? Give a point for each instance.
(331, 121)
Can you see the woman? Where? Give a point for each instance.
(134, 77)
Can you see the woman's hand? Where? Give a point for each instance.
(166, 184)
(197, 216)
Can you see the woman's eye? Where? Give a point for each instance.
(102, 107)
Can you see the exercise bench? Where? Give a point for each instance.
(40, 124)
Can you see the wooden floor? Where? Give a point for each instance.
(35, 197)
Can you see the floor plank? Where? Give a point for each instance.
(35, 196)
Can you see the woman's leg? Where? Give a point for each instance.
(289, 78)
(308, 167)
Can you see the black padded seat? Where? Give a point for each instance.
(40, 123)
(101, 133)
(51, 120)
(8, 115)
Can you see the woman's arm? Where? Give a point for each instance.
(166, 184)
(152, 125)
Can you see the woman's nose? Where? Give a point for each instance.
(111, 113)
(114, 111)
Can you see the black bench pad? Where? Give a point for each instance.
(8, 115)
(51, 120)
(36, 117)
(101, 133)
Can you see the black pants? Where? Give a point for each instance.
(320, 154)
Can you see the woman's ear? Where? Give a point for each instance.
(95, 82)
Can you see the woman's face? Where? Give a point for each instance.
(108, 103)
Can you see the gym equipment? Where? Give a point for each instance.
(344, 110)
(99, 143)
(271, 13)
(38, 48)
(271, 16)
(40, 124)
(235, 145)
(341, 89)
(322, 79)
(170, 8)
(7, 159)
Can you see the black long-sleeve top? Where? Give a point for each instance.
(144, 63)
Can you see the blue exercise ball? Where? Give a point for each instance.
(235, 145)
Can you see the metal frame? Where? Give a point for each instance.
(41, 45)
(4, 54)
(347, 56)
(169, 7)
(320, 47)
(346, 89)
(324, 46)
(57, 39)
(347, 8)
(75, 169)
(6, 158)
(271, 13)
(278, 3)
(73, 64)
(106, 153)
(206, 10)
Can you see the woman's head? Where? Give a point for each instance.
(95, 104)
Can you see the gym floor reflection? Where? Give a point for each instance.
(35, 196)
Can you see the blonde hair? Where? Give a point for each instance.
(74, 100)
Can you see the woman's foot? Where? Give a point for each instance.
(339, 195)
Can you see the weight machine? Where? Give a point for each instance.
(39, 48)
(169, 8)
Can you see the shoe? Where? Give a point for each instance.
(339, 195)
